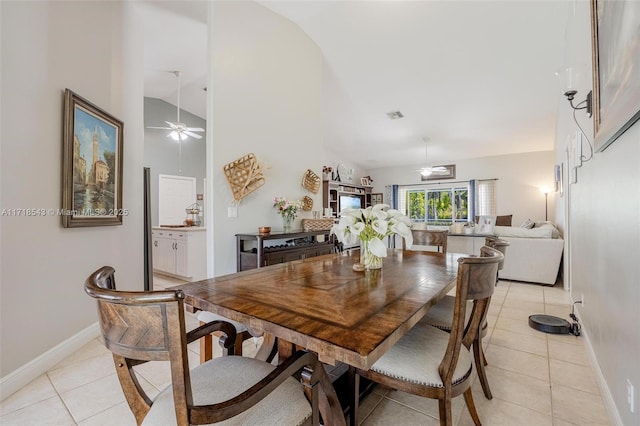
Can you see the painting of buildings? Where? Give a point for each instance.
(93, 182)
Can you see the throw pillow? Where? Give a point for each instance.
(504, 220)
(527, 224)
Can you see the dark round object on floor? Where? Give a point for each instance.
(549, 324)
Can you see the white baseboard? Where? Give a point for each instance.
(609, 404)
(19, 378)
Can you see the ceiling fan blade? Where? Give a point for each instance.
(193, 135)
(173, 125)
(162, 128)
(195, 129)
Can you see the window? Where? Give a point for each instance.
(437, 205)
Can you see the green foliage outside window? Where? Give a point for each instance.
(436, 207)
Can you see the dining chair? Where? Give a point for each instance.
(432, 363)
(150, 326)
(429, 237)
(441, 315)
(500, 245)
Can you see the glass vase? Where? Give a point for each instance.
(368, 259)
(286, 223)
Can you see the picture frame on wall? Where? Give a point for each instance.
(616, 68)
(91, 165)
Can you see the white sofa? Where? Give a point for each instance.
(533, 255)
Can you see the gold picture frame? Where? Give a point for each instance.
(91, 165)
(616, 69)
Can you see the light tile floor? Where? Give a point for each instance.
(536, 378)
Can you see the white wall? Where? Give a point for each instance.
(604, 236)
(94, 49)
(520, 177)
(267, 100)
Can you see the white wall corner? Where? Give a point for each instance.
(21, 377)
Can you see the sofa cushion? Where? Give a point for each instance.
(548, 225)
(528, 224)
(504, 220)
(512, 231)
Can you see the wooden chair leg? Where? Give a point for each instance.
(444, 409)
(478, 357)
(468, 398)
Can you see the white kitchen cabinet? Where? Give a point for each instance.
(180, 252)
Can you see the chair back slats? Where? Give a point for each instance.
(428, 237)
(476, 281)
(131, 331)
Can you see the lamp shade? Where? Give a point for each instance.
(571, 78)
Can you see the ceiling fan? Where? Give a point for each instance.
(431, 170)
(178, 130)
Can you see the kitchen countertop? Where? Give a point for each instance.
(180, 228)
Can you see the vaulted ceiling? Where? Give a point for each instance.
(473, 78)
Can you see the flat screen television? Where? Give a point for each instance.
(350, 202)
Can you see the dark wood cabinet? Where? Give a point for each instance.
(256, 250)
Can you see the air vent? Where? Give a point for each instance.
(394, 115)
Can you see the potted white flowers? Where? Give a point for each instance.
(370, 226)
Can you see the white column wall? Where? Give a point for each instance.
(267, 82)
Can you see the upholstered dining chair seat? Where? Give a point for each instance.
(415, 358)
(286, 405)
(441, 315)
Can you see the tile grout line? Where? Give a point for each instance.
(66, 407)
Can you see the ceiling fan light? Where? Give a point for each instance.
(177, 136)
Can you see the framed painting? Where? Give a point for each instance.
(91, 165)
(616, 68)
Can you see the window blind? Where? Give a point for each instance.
(486, 198)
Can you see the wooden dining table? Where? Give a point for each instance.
(323, 305)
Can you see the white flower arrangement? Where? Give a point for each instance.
(372, 225)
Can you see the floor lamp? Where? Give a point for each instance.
(545, 191)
